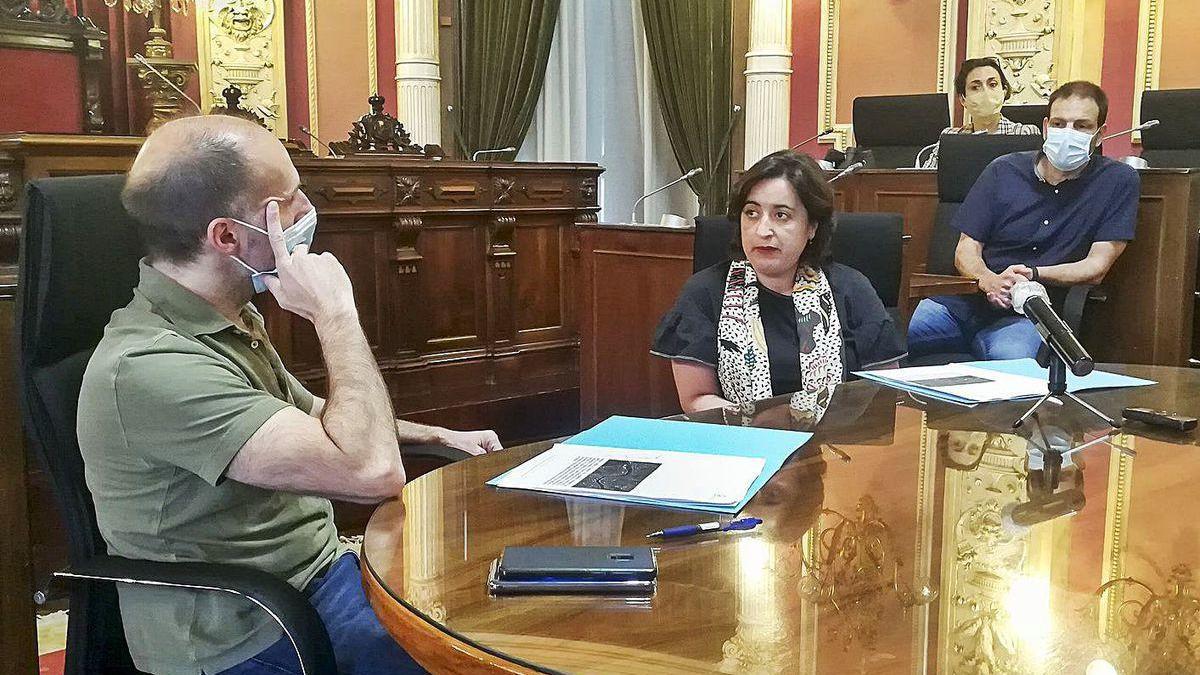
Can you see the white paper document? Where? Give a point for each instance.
(626, 474)
(962, 382)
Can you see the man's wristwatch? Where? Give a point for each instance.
(1035, 272)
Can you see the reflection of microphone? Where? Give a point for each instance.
(142, 60)
(849, 170)
(806, 141)
(1029, 298)
(320, 142)
(475, 155)
(633, 214)
(1144, 125)
(1020, 517)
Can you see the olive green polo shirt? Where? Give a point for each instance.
(170, 395)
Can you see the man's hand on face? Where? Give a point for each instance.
(310, 285)
(473, 442)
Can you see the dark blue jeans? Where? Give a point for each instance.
(361, 646)
(969, 324)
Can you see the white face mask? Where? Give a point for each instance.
(301, 232)
(1067, 149)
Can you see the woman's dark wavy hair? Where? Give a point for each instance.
(960, 80)
(811, 185)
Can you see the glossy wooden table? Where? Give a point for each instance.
(903, 538)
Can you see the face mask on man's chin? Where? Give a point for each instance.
(301, 232)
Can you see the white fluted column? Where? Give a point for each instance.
(768, 78)
(418, 74)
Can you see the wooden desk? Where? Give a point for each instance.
(629, 277)
(884, 502)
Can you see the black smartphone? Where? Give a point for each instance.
(628, 588)
(577, 563)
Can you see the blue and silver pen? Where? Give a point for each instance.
(689, 530)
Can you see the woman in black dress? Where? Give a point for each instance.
(780, 317)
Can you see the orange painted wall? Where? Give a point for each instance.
(342, 76)
(885, 47)
(1180, 48)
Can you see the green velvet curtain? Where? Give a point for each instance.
(690, 49)
(504, 48)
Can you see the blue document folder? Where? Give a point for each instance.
(774, 446)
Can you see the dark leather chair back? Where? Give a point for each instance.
(78, 263)
(872, 243)
(1176, 141)
(1034, 113)
(961, 159)
(895, 128)
(714, 237)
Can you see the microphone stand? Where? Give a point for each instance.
(1057, 387)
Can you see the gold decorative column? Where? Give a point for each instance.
(418, 74)
(161, 76)
(1041, 45)
(241, 42)
(768, 78)
(424, 539)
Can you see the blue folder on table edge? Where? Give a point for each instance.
(1097, 379)
(774, 446)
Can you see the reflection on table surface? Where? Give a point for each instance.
(906, 536)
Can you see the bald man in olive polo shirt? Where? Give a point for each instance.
(199, 445)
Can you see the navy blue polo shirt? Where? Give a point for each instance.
(1021, 219)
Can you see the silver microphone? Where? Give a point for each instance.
(475, 155)
(1030, 299)
(633, 214)
(849, 170)
(321, 143)
(1141, 127)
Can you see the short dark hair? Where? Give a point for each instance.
(810, 185)
(174, 202)
(1082, 89)
(960, 80)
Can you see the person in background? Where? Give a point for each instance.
(780, 317)
(1060, 216)
(982, 89)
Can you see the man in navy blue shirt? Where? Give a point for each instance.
(1060, 216)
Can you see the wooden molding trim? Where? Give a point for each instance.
(1149, 56)
(310, 56)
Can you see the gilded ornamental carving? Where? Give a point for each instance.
(241, 44)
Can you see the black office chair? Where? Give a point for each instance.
(714, 237)
(78, 263)
(1174, 143)
(871, 243)
(1034, 113)
(961, 160)
(895, 128)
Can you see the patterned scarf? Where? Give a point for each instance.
(743, 367)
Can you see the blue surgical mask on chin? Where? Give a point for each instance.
(301, 232)
(1067, 149)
